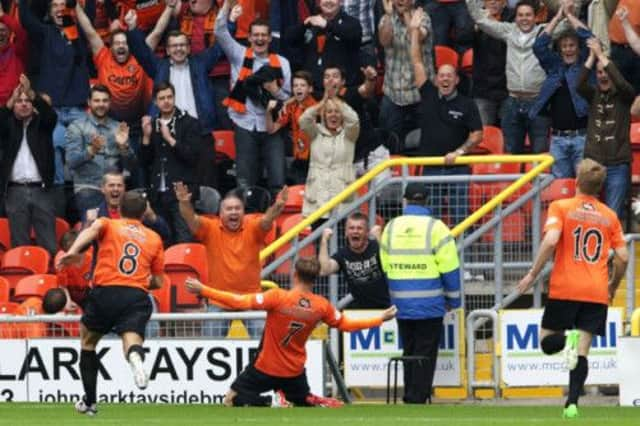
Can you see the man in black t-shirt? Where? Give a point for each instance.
(359, 261)
(450, 126)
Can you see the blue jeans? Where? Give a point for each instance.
(456, 194)
(489, 111)
(567, 151)
(616, 187)
(65, 116)
(444, 16)
(398, 119)
(516, 124)
(220, 328)
(251, 147)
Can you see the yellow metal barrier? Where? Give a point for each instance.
(545, 161)
(635, 323)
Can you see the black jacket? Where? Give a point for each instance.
(180, 161)
(489, 63)
(343, 35)
(39, 139)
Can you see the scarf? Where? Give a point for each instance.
(238, 96)
(177, 114)
(210, 19)
(69, 27)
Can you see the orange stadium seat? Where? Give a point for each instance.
(446, 55)
(309, 250)
(22, 261)
(559, 189)
(182, 261)
(5, 290)
(634, 134)
(295, 200)
(162, 295)
(225, 143)
(35, 286)
(492, 141)
(635, 167)
(9, 330)
(5, 236)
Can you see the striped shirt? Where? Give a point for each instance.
(362, 10)
(399, 80)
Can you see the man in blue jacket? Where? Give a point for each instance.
(567, 109)
(188, 73)
(420, 259)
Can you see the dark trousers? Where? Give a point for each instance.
(166, 206)
(256, 151)
(419, 337)
(31, 206)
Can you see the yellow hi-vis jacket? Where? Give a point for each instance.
(420, 258)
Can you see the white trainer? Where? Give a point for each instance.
(83, 408)
(279, 400)
(139, 375)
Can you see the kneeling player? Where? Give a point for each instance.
(291, 317)
(130, 262)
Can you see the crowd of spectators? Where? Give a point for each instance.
(313, 91)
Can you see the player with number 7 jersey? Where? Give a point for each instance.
(130, 260)
(291, 317)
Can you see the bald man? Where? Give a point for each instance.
(450, 125)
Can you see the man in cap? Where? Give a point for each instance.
(420, 259)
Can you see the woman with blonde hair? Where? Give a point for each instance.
(333, 141)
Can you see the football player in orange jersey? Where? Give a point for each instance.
(291, 317)
(581, 230)
(129, 264)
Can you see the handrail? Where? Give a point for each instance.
(471, 367)
(635, 323)
(545, 161)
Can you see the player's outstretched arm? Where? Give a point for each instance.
(227, 300)
(353, 324)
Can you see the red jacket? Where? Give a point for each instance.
(12, 58)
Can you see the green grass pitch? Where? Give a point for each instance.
(354, 415)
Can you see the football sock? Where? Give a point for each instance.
(89, 373)
(137, 349)
(552, 343)
(577, 377)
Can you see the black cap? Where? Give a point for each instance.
(415, 192)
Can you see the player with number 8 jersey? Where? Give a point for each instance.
(291, 317)
(130, 260)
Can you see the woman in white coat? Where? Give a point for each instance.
(333, 141)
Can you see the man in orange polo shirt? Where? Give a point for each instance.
(233, 242)
(291, 317)
(129, 264)
(581, 230)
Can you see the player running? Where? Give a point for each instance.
(291, 317)
(581, 230)
(130, 263)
